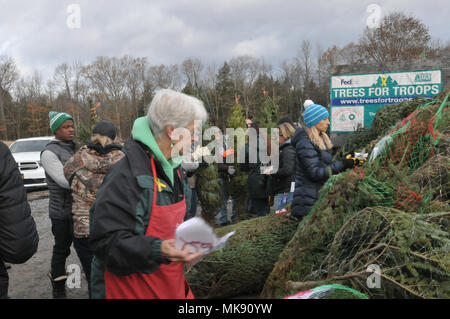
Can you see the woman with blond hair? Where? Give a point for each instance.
(285, 175)
(314, 161)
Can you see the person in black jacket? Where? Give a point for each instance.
(226, 172)
(315, 163)
(283, 178)
(257, 181)
(18, 235)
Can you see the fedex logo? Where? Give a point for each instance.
(346, 82)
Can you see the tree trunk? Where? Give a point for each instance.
(3, 120)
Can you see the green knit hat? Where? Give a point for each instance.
(57, 118)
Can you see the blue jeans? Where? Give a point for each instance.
(283, 199)
(193, 205)
(223, 214)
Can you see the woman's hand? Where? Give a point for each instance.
(169, 251)
(268, 170)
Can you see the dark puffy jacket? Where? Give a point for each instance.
(314, 167)
(282, 179)
(60, 199)
(18, 235)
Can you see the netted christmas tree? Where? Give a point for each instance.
(242, 267)
(410, 253)
(384, 120)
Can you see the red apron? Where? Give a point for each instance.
(168, 282)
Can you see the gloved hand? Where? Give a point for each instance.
(348, 163)
(359, 161)
(350, 155)
(231, 170)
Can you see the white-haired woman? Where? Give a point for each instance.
(141, 202)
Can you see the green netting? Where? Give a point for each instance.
(332, 291)
(441, 116)
(414, 139)
(377, 192)
(342, 291)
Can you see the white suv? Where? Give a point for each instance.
(27, 153)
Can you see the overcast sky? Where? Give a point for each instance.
(41, 34)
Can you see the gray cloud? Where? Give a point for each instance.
(35, 33)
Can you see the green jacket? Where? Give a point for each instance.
(122, 210)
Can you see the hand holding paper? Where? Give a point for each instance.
(198, 236)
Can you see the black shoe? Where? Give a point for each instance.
(223, 224)
(59, 286)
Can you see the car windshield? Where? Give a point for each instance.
(28, 146)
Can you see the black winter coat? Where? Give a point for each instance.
(314, 167)
(18, 235)
(282, 179)
(257, 182)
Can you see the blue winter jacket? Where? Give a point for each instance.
(314, 167)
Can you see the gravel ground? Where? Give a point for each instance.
(29, 280)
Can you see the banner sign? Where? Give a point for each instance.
(355, 98)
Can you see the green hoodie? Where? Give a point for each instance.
(141, 132)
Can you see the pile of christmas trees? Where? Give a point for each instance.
(391, 216)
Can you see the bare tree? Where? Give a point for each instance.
(192, 68)
(108, 77)
(162, 76)
(399, 37)
(63, 79)
(135, 83)
(9, 74)
(304, 63)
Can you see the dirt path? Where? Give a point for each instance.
(29, 280)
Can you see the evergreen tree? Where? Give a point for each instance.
(85, 132)
(238, 185)
(225, 94)
(268, 116)
(189, 89)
